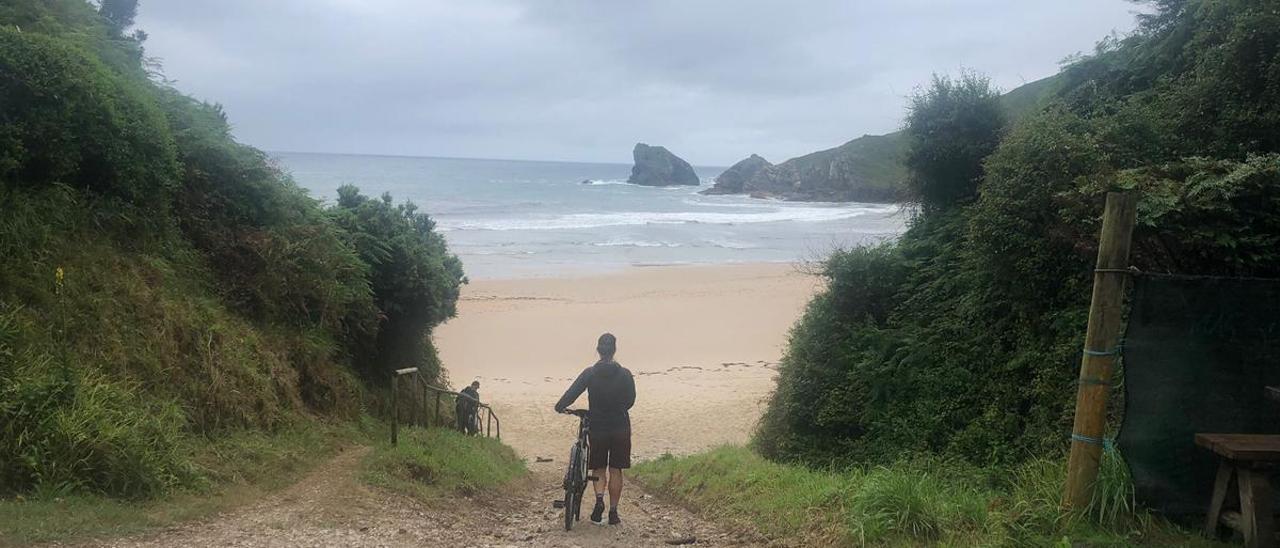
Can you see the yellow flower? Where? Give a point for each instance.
(58, 275)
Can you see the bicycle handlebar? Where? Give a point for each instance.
(575, 412)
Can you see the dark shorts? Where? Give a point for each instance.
(610, 450)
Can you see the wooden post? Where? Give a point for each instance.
(413, 408)
(488, 427)
(438, 423)
(1101, 348)
(395, 409)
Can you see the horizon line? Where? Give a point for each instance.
(431, 157)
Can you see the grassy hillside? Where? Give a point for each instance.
(869, 168)
(165, 287)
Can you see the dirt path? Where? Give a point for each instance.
(331, 507)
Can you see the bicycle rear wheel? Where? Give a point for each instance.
(570, 502)
(573, 488)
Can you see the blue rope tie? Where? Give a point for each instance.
(1107, 444)
(1112, 352)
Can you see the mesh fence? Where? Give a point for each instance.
(1198, 353)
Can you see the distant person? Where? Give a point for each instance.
(466, 407)
(611, 391)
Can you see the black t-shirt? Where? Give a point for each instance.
(611, 391)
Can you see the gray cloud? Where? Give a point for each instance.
(585, 79)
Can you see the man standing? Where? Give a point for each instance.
(611, 391)
(465, 408)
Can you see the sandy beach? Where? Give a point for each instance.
(702, 341)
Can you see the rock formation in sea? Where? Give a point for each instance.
(734, 180)
(866, 169)
(657, 166)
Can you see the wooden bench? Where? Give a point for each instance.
(1247, 457)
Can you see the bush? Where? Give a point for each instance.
(276, 253)
(819, 404)
(68, 119)
(951, 126)
(414, 279)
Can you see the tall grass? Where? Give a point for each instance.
(70, 430)
(428, 463)
(923, 501)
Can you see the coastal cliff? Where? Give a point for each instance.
(866, 169)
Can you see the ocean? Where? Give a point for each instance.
(515, 219)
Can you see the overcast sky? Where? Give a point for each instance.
(714, 81)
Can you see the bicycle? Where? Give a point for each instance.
(575, 475)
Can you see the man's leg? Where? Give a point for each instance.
(599, 467)
(619, 460)
(615, 487)
(600, 482)
(597, 511)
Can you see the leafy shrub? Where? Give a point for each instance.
(275, 252)
(951, 126)
(414, 279)
(68, 119)
(818, 405)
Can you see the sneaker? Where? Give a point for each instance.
(598, 512)
(613, 517)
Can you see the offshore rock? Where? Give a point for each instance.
(657, 166)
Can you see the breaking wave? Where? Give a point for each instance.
(633, 218)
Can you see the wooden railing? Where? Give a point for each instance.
(492, 423)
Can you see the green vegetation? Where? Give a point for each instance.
(962, 338)
(909, 502)
(235, 469)
(953, 126)
(429, 463)
(871, 167)
(922, 390)
(168, 295)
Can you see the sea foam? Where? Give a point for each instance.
(632, 218)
